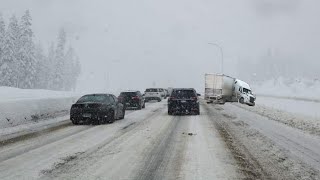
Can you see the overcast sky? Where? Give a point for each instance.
(140, 43)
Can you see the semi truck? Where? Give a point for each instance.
(220, 88)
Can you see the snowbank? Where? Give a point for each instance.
(15, 94)
(298, 121)
(21, 106)
(291, 88)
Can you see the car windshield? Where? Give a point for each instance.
(94, 98)
(128, 94)
(183, 94)
(247, 91)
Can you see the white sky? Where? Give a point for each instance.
(135, 43)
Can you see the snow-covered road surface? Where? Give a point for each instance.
(224, 142)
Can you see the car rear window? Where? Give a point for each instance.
(128, 94)
(183, 93)
(152, 90)
(94, 98)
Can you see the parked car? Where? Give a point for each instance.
(183, 100)
(132, 99)
(97, 109)
(153, 94)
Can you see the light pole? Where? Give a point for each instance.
(221, 51)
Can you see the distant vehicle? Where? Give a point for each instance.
(163, 93)
(167, 93)
(220, 88)
(97, 109)
(153, 94)
(170, 89)
(132, 99)
(183, 100)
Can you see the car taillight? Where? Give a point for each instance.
(194, 98)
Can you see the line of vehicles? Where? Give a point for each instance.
(106, 108)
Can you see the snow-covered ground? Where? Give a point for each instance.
(295, 101)
(291, 88)
(16, 94)
(25, 106)
(305, 108)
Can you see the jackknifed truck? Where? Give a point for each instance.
(220, 88)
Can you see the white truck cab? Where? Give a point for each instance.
(243, 93)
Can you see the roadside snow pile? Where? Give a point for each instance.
(15, 94)
(294, 88)
(21, 106)
(298, 121)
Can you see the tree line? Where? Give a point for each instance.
(25, 64)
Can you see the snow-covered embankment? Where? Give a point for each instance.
(23, 106)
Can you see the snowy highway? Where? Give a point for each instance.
(224, 142)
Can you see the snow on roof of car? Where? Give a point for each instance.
(131, 91)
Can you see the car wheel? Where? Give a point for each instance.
(169, 112)
(144, 105)
(159, 100)
(111, 117)
(241, 100)
(139, 107)
(123, 114)
(96, 122)
(75, 122)
(101, 121)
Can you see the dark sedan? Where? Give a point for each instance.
(97, 109)
(132, 99)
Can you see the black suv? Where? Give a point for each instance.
(132, 99)
(183, 100)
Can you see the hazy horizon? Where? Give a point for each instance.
(139, 44)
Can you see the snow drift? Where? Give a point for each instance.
(21, 106)
(291, 88)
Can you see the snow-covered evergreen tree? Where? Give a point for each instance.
(42, 77)
(59, 64)
(2, 36)
(25, 65)
(27, 53)
(51, 64)
(9, 72)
